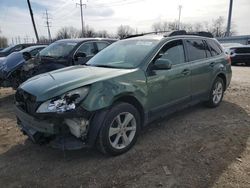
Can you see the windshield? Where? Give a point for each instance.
(58, 49)
(124, 54)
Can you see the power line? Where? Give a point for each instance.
(47, 24)
(116, 4)
(81, 5)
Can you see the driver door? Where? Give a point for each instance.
(169, 88)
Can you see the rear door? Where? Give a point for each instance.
(201, 67)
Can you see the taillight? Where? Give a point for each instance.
(228, 58)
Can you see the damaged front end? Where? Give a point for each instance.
(15, 70)
(59, 126)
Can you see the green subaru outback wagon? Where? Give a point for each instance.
(124, 87)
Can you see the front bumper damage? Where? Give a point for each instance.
(62, 132)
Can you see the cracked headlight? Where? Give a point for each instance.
(65, 102)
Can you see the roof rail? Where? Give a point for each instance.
(202, 33)
(142, 34)
(175, 33)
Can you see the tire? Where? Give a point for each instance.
(216, 93)
(120, 129)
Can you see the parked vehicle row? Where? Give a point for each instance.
(15, 48)
(13, 66)
(108, 100)
(18, 67)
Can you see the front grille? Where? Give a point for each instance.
(242, 50)
(26, 101)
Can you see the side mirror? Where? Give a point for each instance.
(27, 56)
(80, 55)
(162, 64)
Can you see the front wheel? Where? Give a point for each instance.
(120, 129)
(216, 93)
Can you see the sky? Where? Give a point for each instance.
(109, 14)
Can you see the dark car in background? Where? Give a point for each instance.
(67, 52)
(15, 48)
(60, 54)
(239, 53)
(13, 65)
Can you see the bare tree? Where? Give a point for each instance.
(157, 27)
(44, 40)
(102, 34)
(67, 32)
(165, 26)
(89, 32)
(124, 31)
(173, 25)
(3, 41)
(160, 26)
(217, 27)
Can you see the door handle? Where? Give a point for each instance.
(186, 72)
(212, 64)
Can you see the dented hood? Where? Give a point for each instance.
(51, 84)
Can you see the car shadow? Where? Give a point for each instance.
(195, 145)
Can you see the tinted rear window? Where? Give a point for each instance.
(214, 47)
(196, 49)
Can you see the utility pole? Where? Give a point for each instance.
(81, 5)
(33, 21)
(179, 21)
(229, 18)
(48, 24)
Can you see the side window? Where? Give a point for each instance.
(87, 48)
(208, 52)
(196, 49)
(101, 45)
(215, 50)
(35, 51)
(173, 51)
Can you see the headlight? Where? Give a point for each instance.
(65, 102)
(232, 52)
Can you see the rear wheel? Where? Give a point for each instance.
(120, 129)
(216, 93)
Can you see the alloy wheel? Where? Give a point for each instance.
(122, 130)
(217, 92)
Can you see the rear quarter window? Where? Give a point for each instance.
(214, 47)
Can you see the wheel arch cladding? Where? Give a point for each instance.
(134, 102)
(223, 77)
